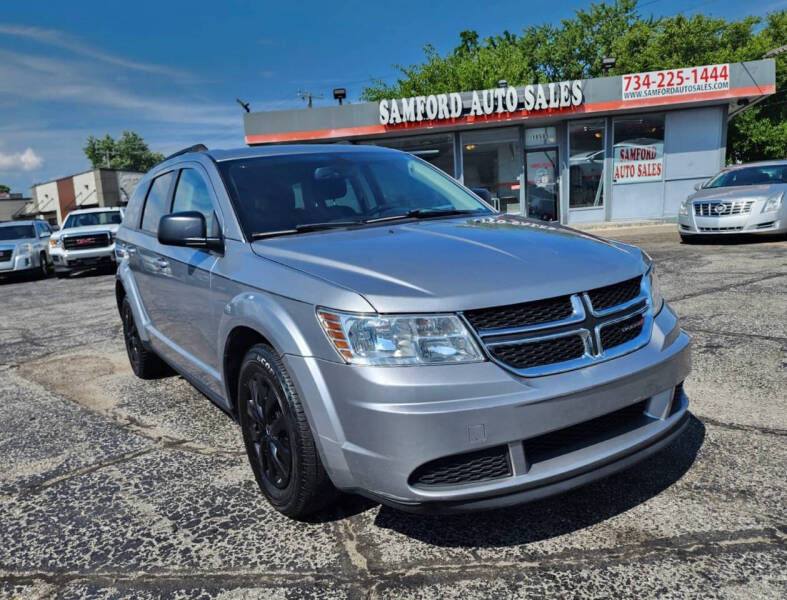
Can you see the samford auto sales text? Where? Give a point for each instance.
(483, 102)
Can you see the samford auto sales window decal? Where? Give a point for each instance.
(676, 82)
(637, 161)
(439, 107)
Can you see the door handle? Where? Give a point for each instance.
(131, 249)
(161, 263)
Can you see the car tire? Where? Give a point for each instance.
(277, 437)
(145, 363)
(43, 266)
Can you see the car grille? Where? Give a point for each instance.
(621, 332)
(520, 315)
(471, 467)
(5, 255)
(545, 352)
(582, 435)
(720, 228)
(566, 332)
(722, 209)
(613, 295)
(86, 241)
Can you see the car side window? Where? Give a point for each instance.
(156, 202)
(192, 194)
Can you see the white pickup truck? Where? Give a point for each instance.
(87, 240)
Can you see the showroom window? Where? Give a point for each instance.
(638, 153)
(586, 163)
(492, 160)
(435, 149)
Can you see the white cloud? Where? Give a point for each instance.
(25, 161)
(58, 39)
(36, 78)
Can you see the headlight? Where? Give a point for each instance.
(684, 208)
(773, 202)
(53, 242)
(399, 340)
(657, 300)
(24, 249)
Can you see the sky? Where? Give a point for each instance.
(171, 70)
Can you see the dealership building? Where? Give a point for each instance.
(628, 147)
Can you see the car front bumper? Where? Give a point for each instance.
(69, 260)
(18, 263)
(754, 222)
(376, 425)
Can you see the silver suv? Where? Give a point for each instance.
(376, 328)
(24, 247)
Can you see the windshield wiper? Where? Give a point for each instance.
(304, 228)
(424, 213)
(416, 213)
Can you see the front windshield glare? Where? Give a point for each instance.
(282, 193)
(17, 232)
(762, 175)
(109, 217)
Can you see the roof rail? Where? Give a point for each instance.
(194, 148)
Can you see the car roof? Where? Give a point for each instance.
(25, 222)
(81, 211)
(762, 163)
(220, 155)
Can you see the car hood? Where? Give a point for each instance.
(113, 228)
(13, 244)
(741, 192)
(456, 264)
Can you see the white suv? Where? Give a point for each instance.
(86, 240)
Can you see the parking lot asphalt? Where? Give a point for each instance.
(114, 487)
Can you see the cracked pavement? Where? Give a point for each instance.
(114, 487)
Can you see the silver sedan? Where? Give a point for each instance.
(747, 198)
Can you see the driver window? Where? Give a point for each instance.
(192, 194)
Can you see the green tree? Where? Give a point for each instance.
(128, 152)
(575, 47)
(4, 189)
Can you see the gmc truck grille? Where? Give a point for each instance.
(472, 467)
(86, 241)
(5, 255)
(566, 332)
(723, 209)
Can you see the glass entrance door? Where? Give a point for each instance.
(542, 192)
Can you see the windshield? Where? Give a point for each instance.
(108, 217)
(763, 175)
(281, 193)
(17, 232)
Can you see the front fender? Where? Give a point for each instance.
(141, 319)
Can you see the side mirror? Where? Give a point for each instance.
(187, 229)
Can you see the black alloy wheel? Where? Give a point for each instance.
(131, 335)
(145, 363)
(268, 432)
(278, 439)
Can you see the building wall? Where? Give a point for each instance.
(126, 182)
(66, 197)
(85, 192)
(99, 187)
(45, 196)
